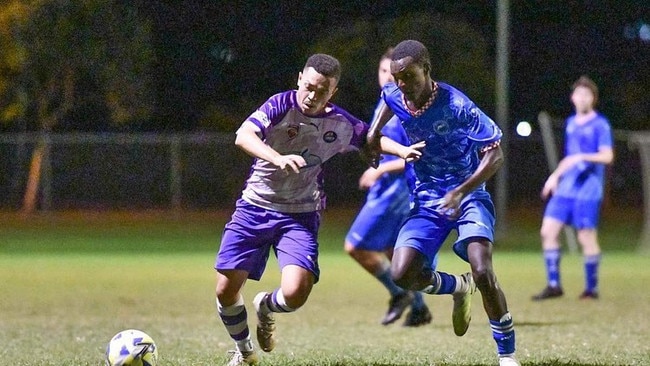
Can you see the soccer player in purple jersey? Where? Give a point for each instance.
(460, 152)
(291, 135)
(576, 189)
(372, 235)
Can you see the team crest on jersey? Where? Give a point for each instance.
(441, 127)
(329, 136)
(292, 131)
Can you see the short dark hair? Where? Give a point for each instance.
(586, 82)
(415, 49)
(325, 65)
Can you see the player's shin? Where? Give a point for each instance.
(235, 319)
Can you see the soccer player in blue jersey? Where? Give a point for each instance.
(290, 136)
(576, 189)
(460, 152)
(373, 233)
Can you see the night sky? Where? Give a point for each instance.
(233, 55)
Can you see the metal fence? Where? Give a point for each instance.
(132, 171)
(202, 171)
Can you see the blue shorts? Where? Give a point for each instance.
(252, 231)
(376, 226)
(427, 228)
(581, 214)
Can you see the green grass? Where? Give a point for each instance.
(88, 231)
(69, 282)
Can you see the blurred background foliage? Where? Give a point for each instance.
(74, 65)
(459, 55)
(112, 65)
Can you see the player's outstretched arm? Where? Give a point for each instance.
(248, 140)
(372, 150)
(371, 175)
(379, 120)
(408, 153)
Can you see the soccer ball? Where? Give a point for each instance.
(131, 347)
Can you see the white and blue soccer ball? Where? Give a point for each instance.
(131, 347)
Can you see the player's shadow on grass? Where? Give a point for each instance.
(563, 363)
(540, 324)
(526, 362)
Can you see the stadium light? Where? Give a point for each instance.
(524, 129)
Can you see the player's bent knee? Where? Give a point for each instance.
(405, 279)
(297, 299)
(226, 294)
(402, 282)
(297, 294)
(485, 279)
(349, 248)
(400, 277)
(227, 299)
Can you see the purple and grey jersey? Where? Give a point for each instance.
(454, 130)
(285, 129)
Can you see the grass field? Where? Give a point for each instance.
(71, 281)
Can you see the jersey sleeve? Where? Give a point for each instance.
(360, 134)
(481, 128)
(359, 128)
(392, 96)
(604, 134)
(271, 112)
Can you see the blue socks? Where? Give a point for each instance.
(441, 283)
(592, 263)
(503, 332)
(386, 280)
(552, 262)
(418, 300)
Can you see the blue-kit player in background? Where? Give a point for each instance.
(576, 189)
(372, 235)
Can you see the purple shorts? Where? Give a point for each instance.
(252, 231)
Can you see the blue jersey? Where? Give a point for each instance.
(584, 180)
(454, 130)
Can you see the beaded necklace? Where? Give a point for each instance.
(426, 105)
